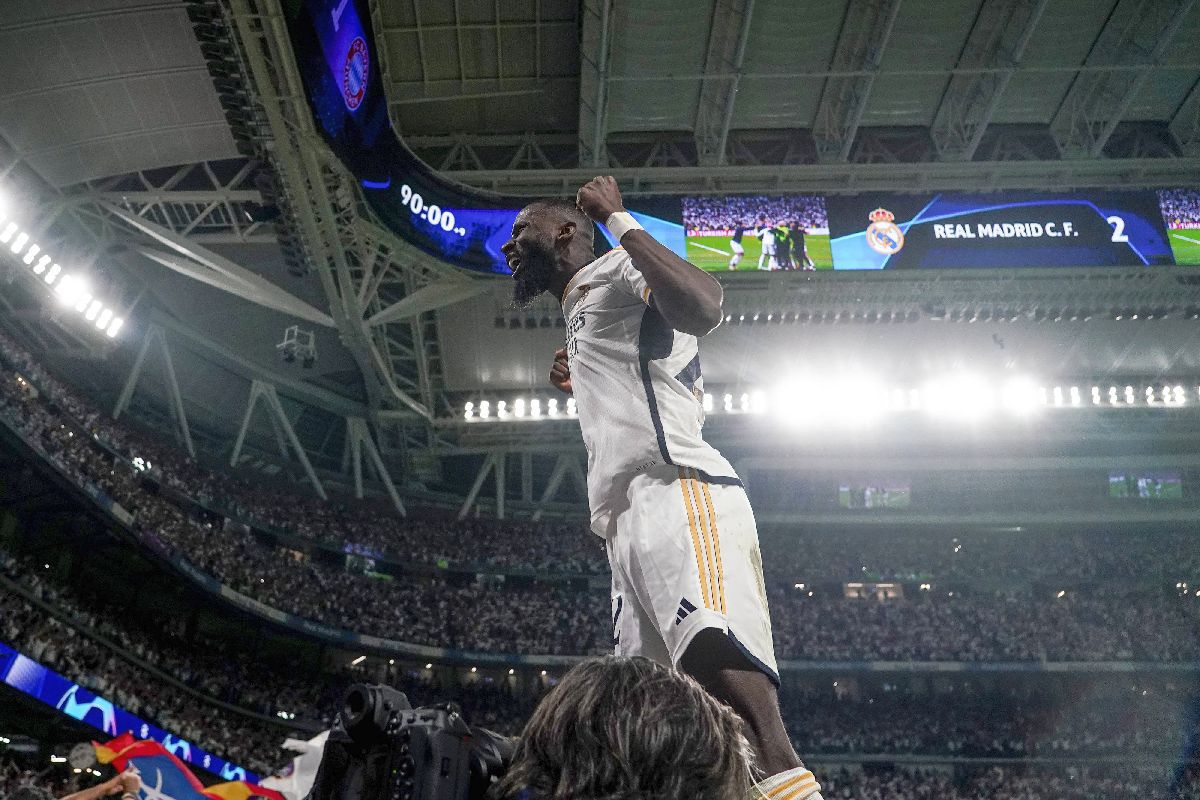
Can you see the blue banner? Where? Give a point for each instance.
(44, 684)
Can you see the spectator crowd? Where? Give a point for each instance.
(710, 214)
(1180, 207)
(554, 617)
(231, 529)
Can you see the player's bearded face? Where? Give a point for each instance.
(533, 276)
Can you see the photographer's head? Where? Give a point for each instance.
(629, 729)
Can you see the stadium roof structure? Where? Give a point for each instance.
(163, 147)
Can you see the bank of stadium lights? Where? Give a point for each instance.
(70, 290)
(856, 401)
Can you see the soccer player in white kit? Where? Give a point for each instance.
(687, 582)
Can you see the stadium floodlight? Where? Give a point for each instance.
(1074, 394)
(502, 409)
(1096, 399)
(72, 289)
(19, 243)
(6, 235)
(707, 403)
(52, 274)
(468, 410)
(552, 406)
(105, 317)
(41, 265)
(93, 310)
(963, 397)
(31, 253)
(114, 327)
(1020, 396)
(485, 409)
(535, 408)
(519, 407)
(358, 661)
(571, 408)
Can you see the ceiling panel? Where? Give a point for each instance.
(803, 44)
(92, 89)
(671, 41)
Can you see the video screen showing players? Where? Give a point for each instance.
(1181, 213)
(757, 232)
(1145, 485)
(884, 494)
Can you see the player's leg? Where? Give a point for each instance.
(738, 251)
(696, 566)
(720, 667)
(634, 632)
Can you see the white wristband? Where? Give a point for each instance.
(620, 223)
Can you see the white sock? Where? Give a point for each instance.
(795, 784)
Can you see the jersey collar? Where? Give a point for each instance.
(573, 284)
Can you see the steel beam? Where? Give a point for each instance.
(265, 392)
(155, 335)
(843, 178)
(1136, 35)
(594, 51)
(489, 463)
(728, 33)
(358, 438)
(1185, 124)
(430, 298)
(1002, 30)
(866, 28)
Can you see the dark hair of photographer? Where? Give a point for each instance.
(629, 729)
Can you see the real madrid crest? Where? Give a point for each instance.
(354, 73)
(883, 234)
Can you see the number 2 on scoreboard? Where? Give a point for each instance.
(1118, 229)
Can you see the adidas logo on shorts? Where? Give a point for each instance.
(685, 608)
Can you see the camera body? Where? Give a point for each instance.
(381, 748)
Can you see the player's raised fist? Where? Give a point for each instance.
(600, 198)
(560, 373)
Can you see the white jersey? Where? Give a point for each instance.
(636, 382)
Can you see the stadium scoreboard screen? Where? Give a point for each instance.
(335, 53)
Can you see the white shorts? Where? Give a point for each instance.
(685, 557)
(737, 248)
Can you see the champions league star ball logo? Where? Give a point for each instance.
(86, 710)
(354, 74)
(883, 234)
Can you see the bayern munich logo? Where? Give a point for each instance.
(354, 74)
(883, 234)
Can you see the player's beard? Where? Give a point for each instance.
(537, 265)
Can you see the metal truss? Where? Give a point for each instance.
(1136, 35)
(728, 33)
(154, 335)
(207, 202)
(381, 290)
(358, 439)
(567, 465)
(998, 38)
(285, 434)
(866, 28)
(595, 44)
(900, 174)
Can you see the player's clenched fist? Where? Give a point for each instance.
(600, 198)
(560, 373)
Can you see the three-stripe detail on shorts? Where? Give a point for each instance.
(706, 539)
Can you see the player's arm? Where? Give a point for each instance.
(688, 297)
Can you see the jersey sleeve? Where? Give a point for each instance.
(630, 279)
